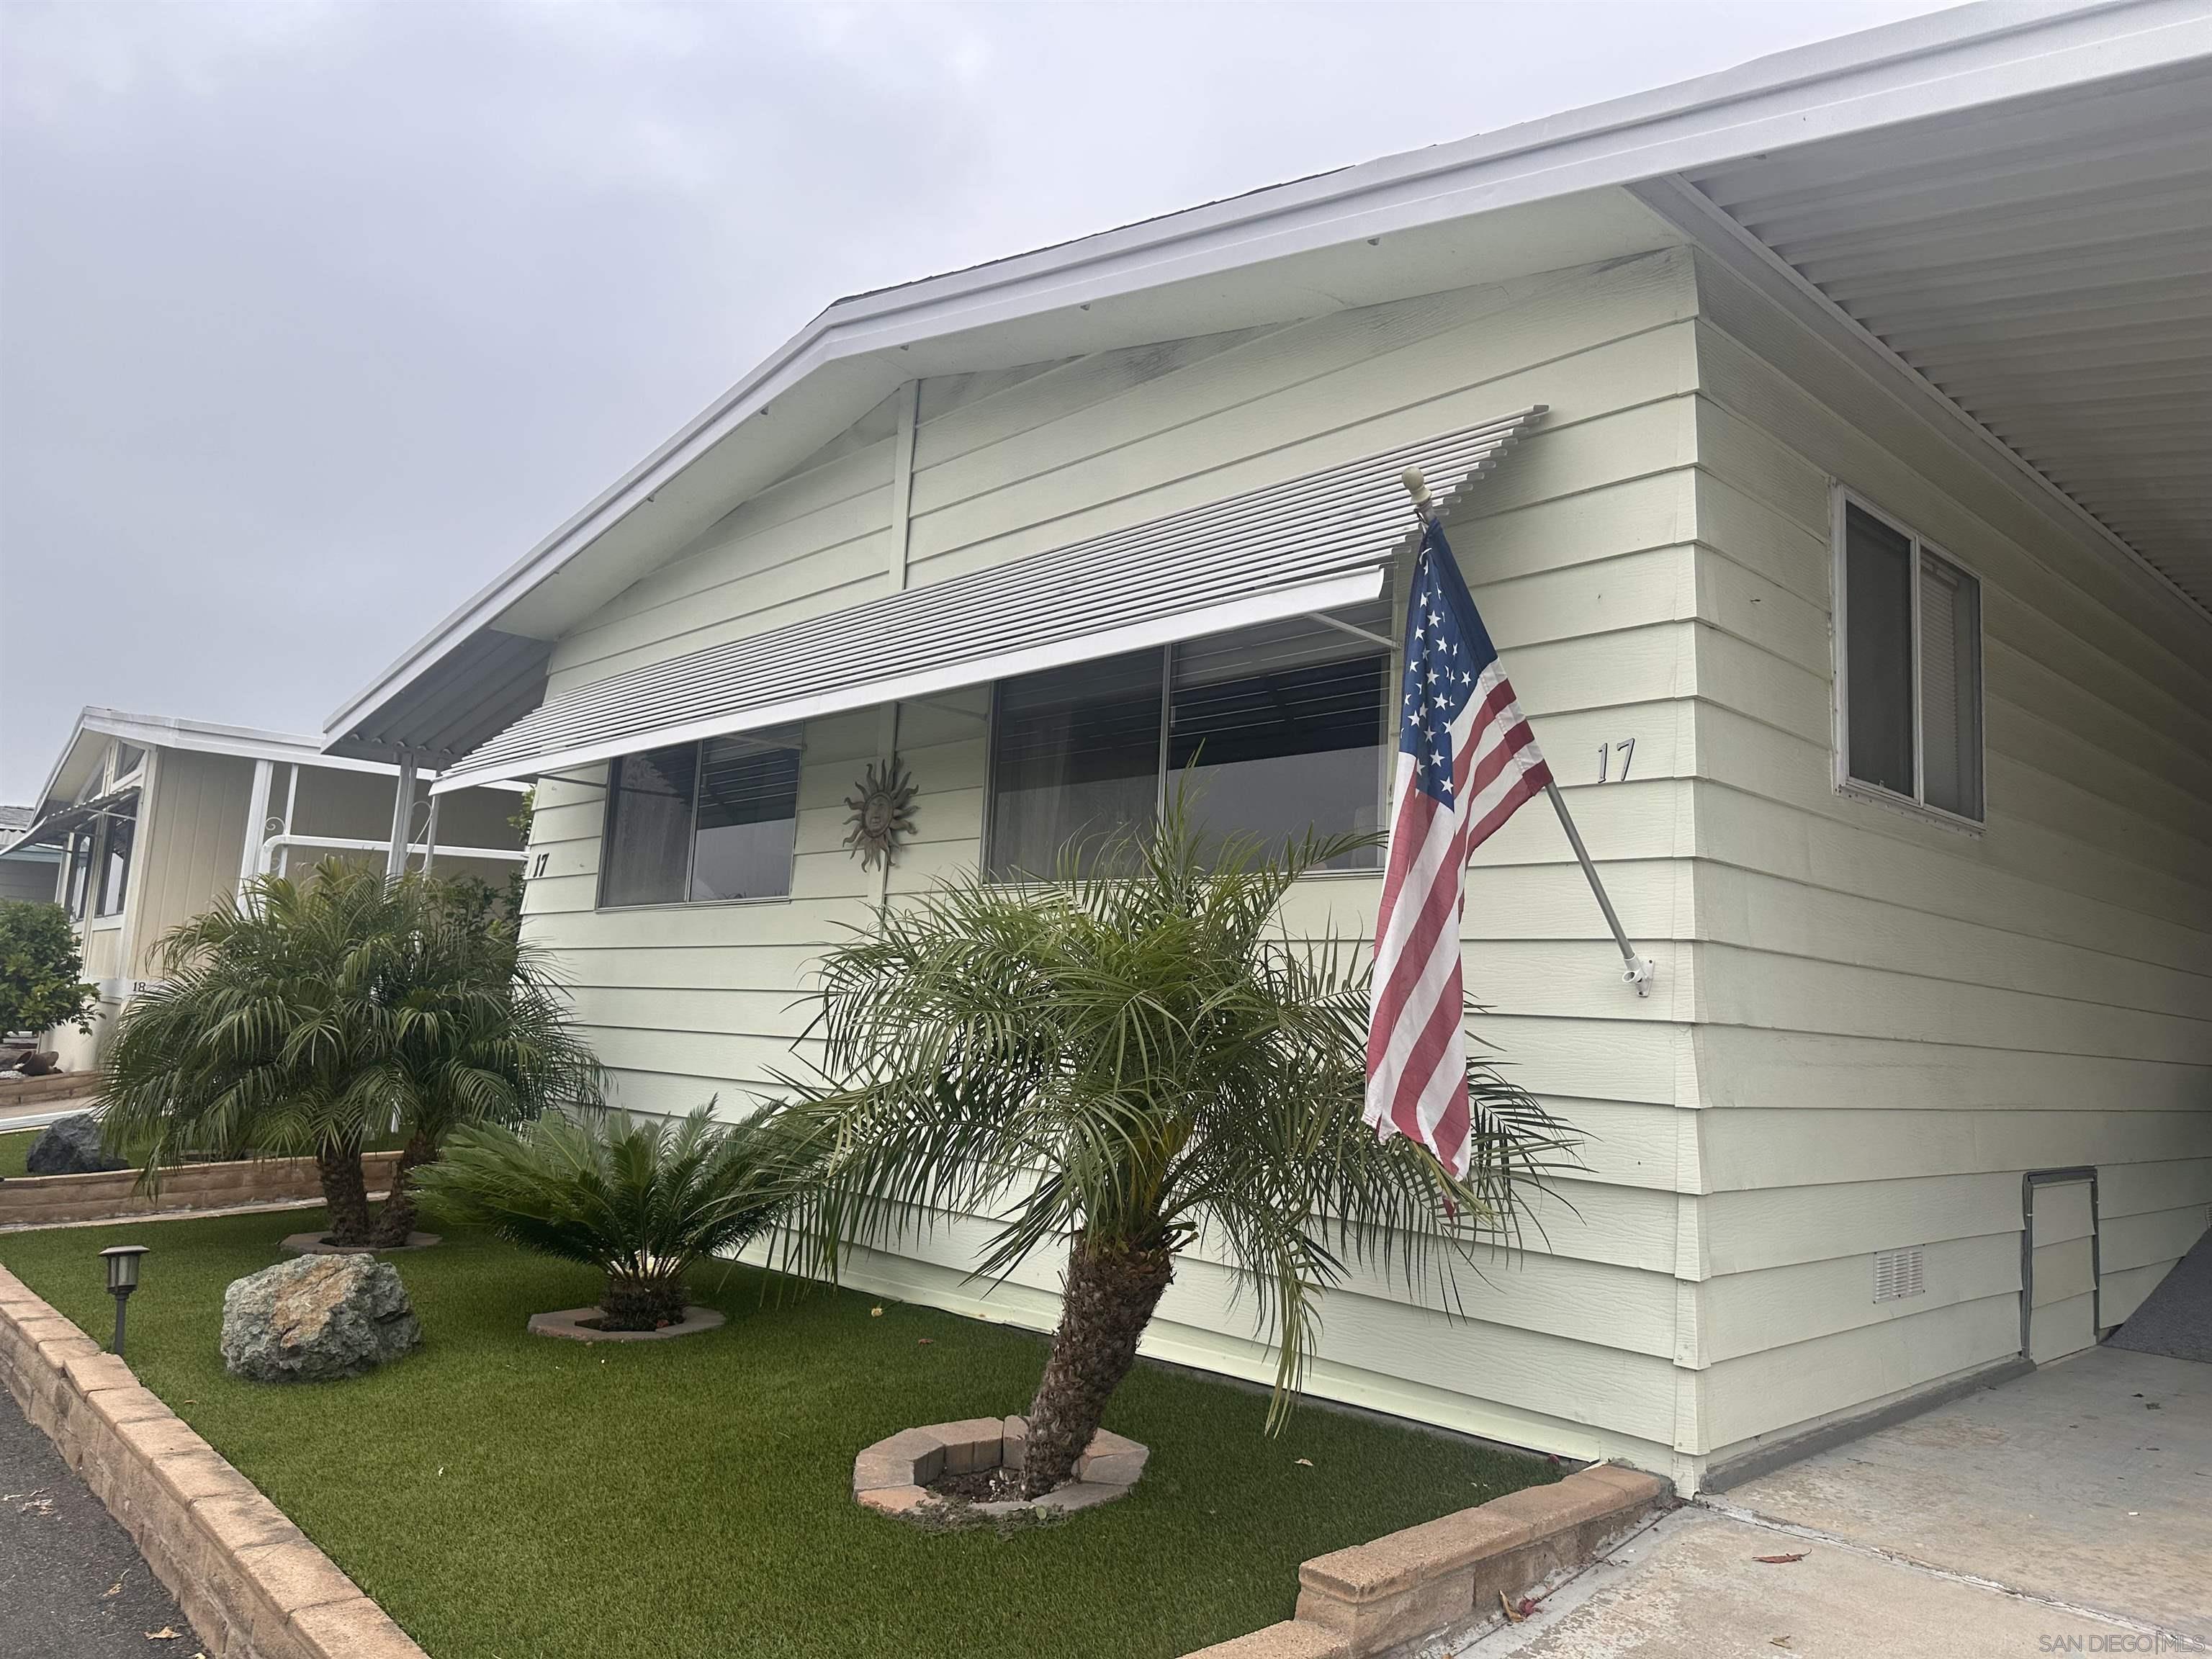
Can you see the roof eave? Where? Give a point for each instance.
(1905, 71)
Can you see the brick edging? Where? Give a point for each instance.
(1445, 1576)
(253, 1584)
(115, 1195)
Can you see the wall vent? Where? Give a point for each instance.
(1899, 1274)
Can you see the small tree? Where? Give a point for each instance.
(319, 1015)
(38, 968)
(1132, 1063)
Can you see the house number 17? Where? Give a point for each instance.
(1627, 747)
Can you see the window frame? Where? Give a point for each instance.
(98, 871)
(1386, 759)
(1843, 498)
(691, 840)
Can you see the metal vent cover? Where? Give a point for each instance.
(1900, 1273)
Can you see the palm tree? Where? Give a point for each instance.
(644, 1201)
(1137, 1060)
(313, 1016)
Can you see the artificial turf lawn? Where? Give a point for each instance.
(14, 1149)
(504, 1495)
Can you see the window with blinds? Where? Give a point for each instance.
(1278, 729)
(1910, 653)
(700, 822)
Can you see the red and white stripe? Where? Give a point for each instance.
(1416, 1049)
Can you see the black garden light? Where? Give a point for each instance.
(122, 1262)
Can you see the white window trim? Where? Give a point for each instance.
(1842, 497)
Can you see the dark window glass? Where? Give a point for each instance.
(649, 842)
(1951, 681)
(115, 863)
(128, 757)
(702, 821)
(1280, 728)
(1075, 754)
(748, 816)
(1878, 672)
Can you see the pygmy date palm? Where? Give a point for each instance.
(313, 1016)
(1139, 1062)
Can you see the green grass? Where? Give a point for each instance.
(503, 1495)
(14, 1149)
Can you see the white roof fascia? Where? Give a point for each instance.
(1937, 65)
(207, 738)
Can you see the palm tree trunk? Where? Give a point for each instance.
(396, 1220)
(345, 1191)
(1110, 1295)
(643, 1302)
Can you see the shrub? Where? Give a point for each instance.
(38, 968)
(644, 1200)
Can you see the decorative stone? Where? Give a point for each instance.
(320, 1244)
(894, 1474)
(571, 1323)
(70, 1146)
(317, 1319)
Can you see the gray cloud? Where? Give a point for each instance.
(314, 317)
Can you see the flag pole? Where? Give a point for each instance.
(1636, 970)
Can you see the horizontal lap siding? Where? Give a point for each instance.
(1896, 1018)
(1579, 551)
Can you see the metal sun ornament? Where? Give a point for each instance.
(883, 812)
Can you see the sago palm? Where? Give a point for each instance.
(315, 1015)
(644, 1200)
(1136, 1062)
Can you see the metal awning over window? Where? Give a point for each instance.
(54, 829)
(1310, 544)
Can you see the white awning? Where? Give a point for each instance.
(1312, 543)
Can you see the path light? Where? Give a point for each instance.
(122, 1262)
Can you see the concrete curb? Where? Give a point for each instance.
(115, 1195)
(1444, 1577)
(253, 1584)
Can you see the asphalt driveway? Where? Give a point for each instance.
(72, 1584)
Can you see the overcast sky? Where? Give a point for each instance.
(314, 317)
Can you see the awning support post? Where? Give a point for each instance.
(257, 827)
(402, 809)
(431, 834)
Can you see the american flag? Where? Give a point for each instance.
(1466, 762)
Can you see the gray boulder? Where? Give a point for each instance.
(316, 1319)
(70, 1146)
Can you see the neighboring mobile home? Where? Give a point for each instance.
(1827, 444)
(149, 820)
(26, 873)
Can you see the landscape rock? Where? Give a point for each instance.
(317, 1319)
(70, 1146)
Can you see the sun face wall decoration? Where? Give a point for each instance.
(883, 812)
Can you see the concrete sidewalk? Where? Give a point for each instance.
(2070, 1511)
(72, 1584)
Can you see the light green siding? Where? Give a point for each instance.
(1897, 1020)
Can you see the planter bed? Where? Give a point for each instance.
(498, 1493)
